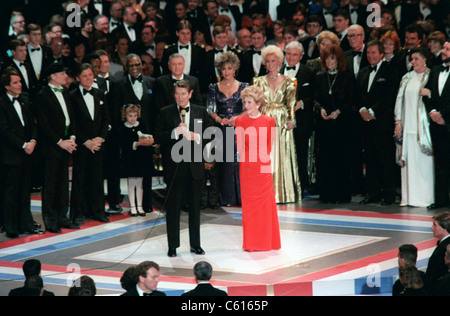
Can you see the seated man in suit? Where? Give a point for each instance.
(203, 273)
(18, 134)
(178, 131)
(148, 279)
(164, 87)
(91, 127)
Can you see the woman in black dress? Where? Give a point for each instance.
(333, 96)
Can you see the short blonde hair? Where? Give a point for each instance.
(272, 50)
(330, 35)
(254, 92)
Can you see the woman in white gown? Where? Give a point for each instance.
(412, 125)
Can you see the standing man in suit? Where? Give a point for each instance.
(259, 39)
(436, 265)
(129, 25)
(314, 25)
(304, 114)
(135, 88)
(413, 39)
(341, 23)
(233, 12)
(38, 55)
(194, 55)
(91, 123)
(177, 131)
(18, 134)
(436, 97)
(220, 36)
(164, 87)
(55, 120)
(203, 273)
(378, 87)
(356, 56)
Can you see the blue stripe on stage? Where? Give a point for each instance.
(83, 240)
(326, 222)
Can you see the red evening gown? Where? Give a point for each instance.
(254, 138)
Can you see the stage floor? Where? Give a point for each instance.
(327, 249)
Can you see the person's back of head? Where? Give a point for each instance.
(407, 255)
(31, 267)
(203, 271)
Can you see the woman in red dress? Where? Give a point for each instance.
(254, 137)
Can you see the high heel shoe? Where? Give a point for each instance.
(140, 211)
(133, 211)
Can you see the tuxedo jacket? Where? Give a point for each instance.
(436, 264)
(169, 119)
(86, 127)
(381, 96)
(439, 103)
(12, 133)
(349, 58)
(305, 92)
(33, 85)
(205, 289)
(52, 122)
(121, 30)
(122, 93)
(165, 92)
(46, 60)
(315, 53)
(134, 292)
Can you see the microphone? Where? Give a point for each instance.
(183, 114)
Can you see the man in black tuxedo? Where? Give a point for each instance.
(341, 23)
(148, 279)
(55, 120)
(358, 13)
(203, 273)
(220, 45)
(413, 39)
(18, 134)
(314, 25)
(18, 62)
(304, 114)
(194, 55)
(135, 88)
(179, 130)
(254, 56)
(129, 25)
(436, 264)
(377, 87)
(233, 12)
(164, 87)
(436, 97)
(91, 120)
(38, 55)
(356, 56)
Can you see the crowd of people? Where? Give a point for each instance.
(359, 95)
(143, 279)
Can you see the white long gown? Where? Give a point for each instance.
(417, 176)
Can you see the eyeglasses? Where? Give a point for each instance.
(353, 35)
(313, 25)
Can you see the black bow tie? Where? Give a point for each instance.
(217, 51)
(87, 91)
(255, 52)
(445, 68)
(327, 12)
(186, 109)
(134, 79)
(115, 23)
(21, 64)
(152, 47)
(15, 99)
(148, 294)
(290, 68)
(184, 47)
(224, 10)
(353, 10)
(373, 68)
(130, 28)
(36, 49)
(357, 53)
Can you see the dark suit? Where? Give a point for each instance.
(33, 85)
(46, 59)
(165, 92)
(122, 93)
(184, 178)
(16, 164)
(205, 289)
(436, 264)
(304, 118)
(52, 128)
(315, 52)
(134, 292)
(379, 144)
(87, 198)
(440, 135)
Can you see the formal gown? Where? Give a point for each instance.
(417, 172)
(280, 104)
(260, 225)
(219, 103)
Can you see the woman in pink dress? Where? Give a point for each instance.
(254, 136)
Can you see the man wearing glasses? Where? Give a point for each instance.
(314, 26)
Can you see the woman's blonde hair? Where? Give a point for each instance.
(255, 93)
(272, 50)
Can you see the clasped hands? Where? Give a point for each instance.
(94, 144)
(182, 129)
(366, 116)
(228, 122)
(434, 115)
(68, 145)
(333, 115)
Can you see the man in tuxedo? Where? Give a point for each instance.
(203, 273)
(327, 13)
(413, 39)
(314, 25)
(304, 114)
(55, 120)
(437, 267)
(436, 97)
(56, 46)
(377, 87)
(129, 25)
(231, 11)
(147, 43)
(148, 279)
(341, 23)
(115, 13)
(135, 88)
(356, 56)
(255, 54)
(220, 46)
(18, 134)
(179, 130)
(164, 87)
(38, 55)
(358, 13)
(18, 61)
(91, 120)
(193, 54)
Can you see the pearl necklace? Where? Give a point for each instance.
(273, 77)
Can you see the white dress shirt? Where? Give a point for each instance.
(23, 70)
(62, 102)
(186, 53)
(90, 103)
(18, 108)
(36, 59)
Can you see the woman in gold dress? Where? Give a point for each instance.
(280, 101)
